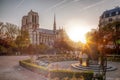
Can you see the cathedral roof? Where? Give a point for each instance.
(47, 31)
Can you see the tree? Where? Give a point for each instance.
(22, 41)
(8, 33)
(63, 45)
(11, 30)
(42, 48)
(3, 47)
(92, 45)
(1, 27)
(107, 35)
(111, 33)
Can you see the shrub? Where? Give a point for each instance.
(33, 67)
(115, 59)
(87, 75)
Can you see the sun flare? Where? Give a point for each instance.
(77, 31)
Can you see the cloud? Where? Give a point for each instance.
(94, 5)
(62, 3)
(56, 5)
(76, 0)
(19, 4)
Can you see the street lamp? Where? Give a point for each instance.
(103, 61)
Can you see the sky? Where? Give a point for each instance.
(81, 11)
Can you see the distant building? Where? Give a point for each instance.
(38, 35)
(109, 16)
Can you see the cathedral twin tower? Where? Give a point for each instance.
(39, 35)
(31, 21)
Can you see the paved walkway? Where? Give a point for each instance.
(10, 69)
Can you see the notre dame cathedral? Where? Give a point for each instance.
(38, 35)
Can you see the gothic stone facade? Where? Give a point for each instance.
(39, 35)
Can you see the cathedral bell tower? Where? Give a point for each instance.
(30, 21)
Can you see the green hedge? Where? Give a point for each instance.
(33, 67)
(87, 75)
(113, 58)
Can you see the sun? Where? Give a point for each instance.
(77, 31)
(76, 34)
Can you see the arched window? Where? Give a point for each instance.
(35, 19)
(32, 18)
(26, 21)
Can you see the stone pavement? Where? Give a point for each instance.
(10, 69)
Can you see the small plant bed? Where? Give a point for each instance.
(57, 58)
(56, 73)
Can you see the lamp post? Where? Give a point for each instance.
(103, 58)
(103, 64)
(117, 37)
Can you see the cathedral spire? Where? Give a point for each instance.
(54, 25)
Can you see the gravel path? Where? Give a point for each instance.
(10, 69)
